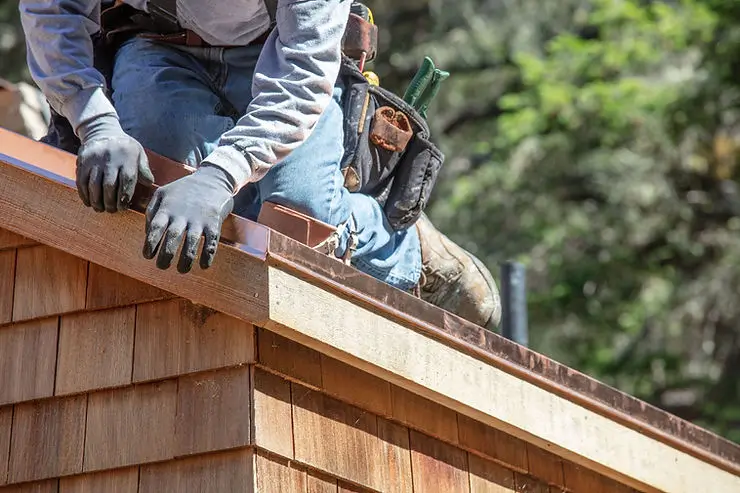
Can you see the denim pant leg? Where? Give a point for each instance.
(178, 101)
(165, 99)
(310, 180)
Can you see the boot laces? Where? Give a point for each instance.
(333, 242)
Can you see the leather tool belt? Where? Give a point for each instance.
(186, 37)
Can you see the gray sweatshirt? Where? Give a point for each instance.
(293, 79)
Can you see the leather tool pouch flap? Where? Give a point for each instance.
(388, 151)
(360, 38)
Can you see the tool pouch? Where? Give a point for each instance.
(388, 151)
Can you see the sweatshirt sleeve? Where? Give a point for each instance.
(293, 83)
(60, 56)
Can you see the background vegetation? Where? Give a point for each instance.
(597, 142)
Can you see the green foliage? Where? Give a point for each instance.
(12, 51)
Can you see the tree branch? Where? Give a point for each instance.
(472, 114)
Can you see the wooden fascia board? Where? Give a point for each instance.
(370, 341)
(506, 355)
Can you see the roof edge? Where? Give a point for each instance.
(521, 362)
(238, 285)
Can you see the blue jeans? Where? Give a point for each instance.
(178, 101)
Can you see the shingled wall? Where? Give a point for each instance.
(110, 385)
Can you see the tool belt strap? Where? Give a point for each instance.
(161, 24)
(186, 37)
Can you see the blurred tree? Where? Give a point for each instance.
(12, 47)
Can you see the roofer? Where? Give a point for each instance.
(251, 94)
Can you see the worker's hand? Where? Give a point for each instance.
(190, 207)
(109, 163)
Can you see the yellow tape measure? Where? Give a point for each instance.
(372, 78)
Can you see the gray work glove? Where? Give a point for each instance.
(191, 207)
(109, 164)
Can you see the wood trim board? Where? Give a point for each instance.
(357, 336)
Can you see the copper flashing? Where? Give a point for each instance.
(54, 167)
(296, 225)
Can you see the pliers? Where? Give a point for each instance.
(424, 86)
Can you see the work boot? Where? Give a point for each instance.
(456, 281)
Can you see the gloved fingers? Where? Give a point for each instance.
(156, 224)
(83, 180)
(210, 245)
(124, 196)
(145, 175)
(153, 207)
(189, 248)
(212, 235)
(111, 185)
(171, 242)
(95, 188)
(126, 186)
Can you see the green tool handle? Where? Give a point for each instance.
(422, 78)
(426, 98)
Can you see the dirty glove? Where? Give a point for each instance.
(109, 163)
(193, 206)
